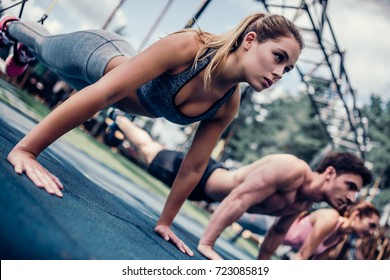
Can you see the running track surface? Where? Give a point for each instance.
(102, 215)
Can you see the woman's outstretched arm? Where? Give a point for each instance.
(120, 82)
(72, 113)
(193, 167)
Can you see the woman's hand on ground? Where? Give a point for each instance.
(24, 162)
(208, 252)
(168, 235)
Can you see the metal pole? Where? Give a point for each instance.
(201, 9)
(113, 14)
(155, 24)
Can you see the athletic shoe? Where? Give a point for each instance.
(113, 136)
(4, 38)
(17, 63)
(112, 113)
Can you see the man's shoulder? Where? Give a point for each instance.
(288, 165)
(287, 160)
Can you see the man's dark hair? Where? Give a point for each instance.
(346, 163)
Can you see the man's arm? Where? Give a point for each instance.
(229, 211)
(275, 174)
(257, 187)
(275, 236)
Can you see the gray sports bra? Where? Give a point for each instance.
(158, 95)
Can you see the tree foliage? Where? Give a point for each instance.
(286, 125)
(378, 115)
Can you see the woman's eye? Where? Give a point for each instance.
(279, 58)
(286, 70)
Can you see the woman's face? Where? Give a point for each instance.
(265, 63)
(365, 225)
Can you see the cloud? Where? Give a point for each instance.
(362, 30)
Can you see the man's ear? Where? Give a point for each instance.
(330, 171)
(249, 39)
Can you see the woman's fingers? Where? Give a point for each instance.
(18, 168)
(168, 235)
(40, 176)
(43, 179)
(56, 181)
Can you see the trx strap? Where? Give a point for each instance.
(45, 15)
(21, 8)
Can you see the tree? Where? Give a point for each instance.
(285, 125)
(378, 115)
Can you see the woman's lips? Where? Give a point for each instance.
(267, 82)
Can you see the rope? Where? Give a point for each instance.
(45, 15)
(21, 9)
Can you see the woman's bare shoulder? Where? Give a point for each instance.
(170, 53)
(184, 43)
(326, 214)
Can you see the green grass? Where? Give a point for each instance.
(31, 107)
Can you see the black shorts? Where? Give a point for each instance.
(165, 167)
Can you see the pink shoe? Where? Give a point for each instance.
(4, 38)
(17, 63)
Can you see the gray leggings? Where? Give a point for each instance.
(79, 58)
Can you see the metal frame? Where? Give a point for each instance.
(322, 70)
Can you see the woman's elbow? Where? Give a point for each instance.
(197, 166)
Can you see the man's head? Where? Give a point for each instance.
(345, 175)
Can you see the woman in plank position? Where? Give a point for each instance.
(189, 76)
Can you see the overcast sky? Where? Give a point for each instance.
(361, 28)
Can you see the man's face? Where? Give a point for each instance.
(342, 190)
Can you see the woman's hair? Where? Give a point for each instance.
(365, 209)
(266, 27)
(346, 163)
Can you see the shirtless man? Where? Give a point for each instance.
(279, 185)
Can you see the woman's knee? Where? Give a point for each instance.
(115, 62)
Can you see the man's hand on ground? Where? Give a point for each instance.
(208, 252)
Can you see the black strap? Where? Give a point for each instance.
(43, 18)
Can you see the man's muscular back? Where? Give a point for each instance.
(284, 174)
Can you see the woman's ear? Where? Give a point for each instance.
(354, 216)
(249, 39)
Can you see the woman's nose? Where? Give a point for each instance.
(278, 73)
